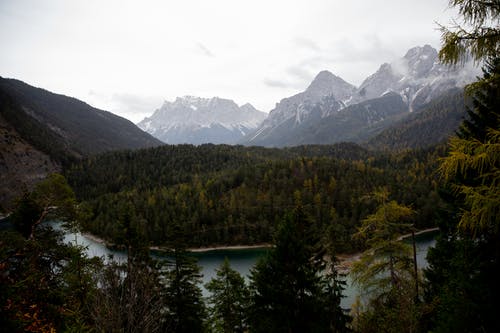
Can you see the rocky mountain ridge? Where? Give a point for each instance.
(417, 78)
(199, 120)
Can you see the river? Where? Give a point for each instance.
(242, 260)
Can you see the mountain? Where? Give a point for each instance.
(42, 131)
(430, 124)
(198, 120)
(325, 95)
(331, 110)
(356, 122)
(418, 77)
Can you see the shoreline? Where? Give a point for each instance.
(95, 238)
(344, 260)
(420, 232)
(101, 241)
(343, 265)
(229, 247)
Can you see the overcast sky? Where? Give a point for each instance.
(129, 56)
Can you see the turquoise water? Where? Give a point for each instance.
(242, 260)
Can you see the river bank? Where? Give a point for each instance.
(344, 260)
(242, 258)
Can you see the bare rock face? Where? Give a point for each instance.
(198, 120)
(326, 94)
(21, 165)
(323, 112)
(418, 77)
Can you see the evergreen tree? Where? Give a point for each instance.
(464, 266)
(290, 290)
(479, 34)
(45, 284)
(185, 310)
(462, 280)
(229, 300)
(385, 270)
(52, 197)
(129, 295)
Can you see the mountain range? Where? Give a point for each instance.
(198, 120)
(331, 110)
(412, 102)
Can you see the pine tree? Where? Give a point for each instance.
(229, 300)
(385, 270)
(462, 279)
(478, 36)
(290, 290)
(185, 309)
(464, 266)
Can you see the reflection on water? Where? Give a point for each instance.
(242, 260)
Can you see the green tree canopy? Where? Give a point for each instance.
(290, 290)
(384, 271)
(52, 197)
(477, 35)
(229, 300)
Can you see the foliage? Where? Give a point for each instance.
(290, 292)
(185, 309)
(385, 269)
(472, 166)
(128, 298)
(45, 285)
(477, 36)
(235, 195)
(52, 197)
(229, 300)
(462, 289)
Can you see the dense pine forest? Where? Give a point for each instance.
(311, 203)
(227, 195)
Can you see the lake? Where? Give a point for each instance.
(242, 260)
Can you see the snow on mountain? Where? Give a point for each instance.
(323, 96)
(199, 120)
(417, 78)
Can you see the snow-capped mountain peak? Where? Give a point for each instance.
(400, 86)
(417, 77)
(326, 84)
(197, 120)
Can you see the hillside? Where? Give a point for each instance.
(331, 110)
(230, 195)
(42, 131)
(78, 127)
(431, 124)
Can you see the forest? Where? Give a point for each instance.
(311, 203)
(224, 195)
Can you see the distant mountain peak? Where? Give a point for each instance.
(198, 120)
(419, 51)
(401, 86)
(326, 83)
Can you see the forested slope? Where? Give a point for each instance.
(431, 124)
(234, 195)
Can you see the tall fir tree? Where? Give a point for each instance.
(386, 270)
(291, 291)
(229, 300)
(464, 266)
(185, 308)
(462, 279)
